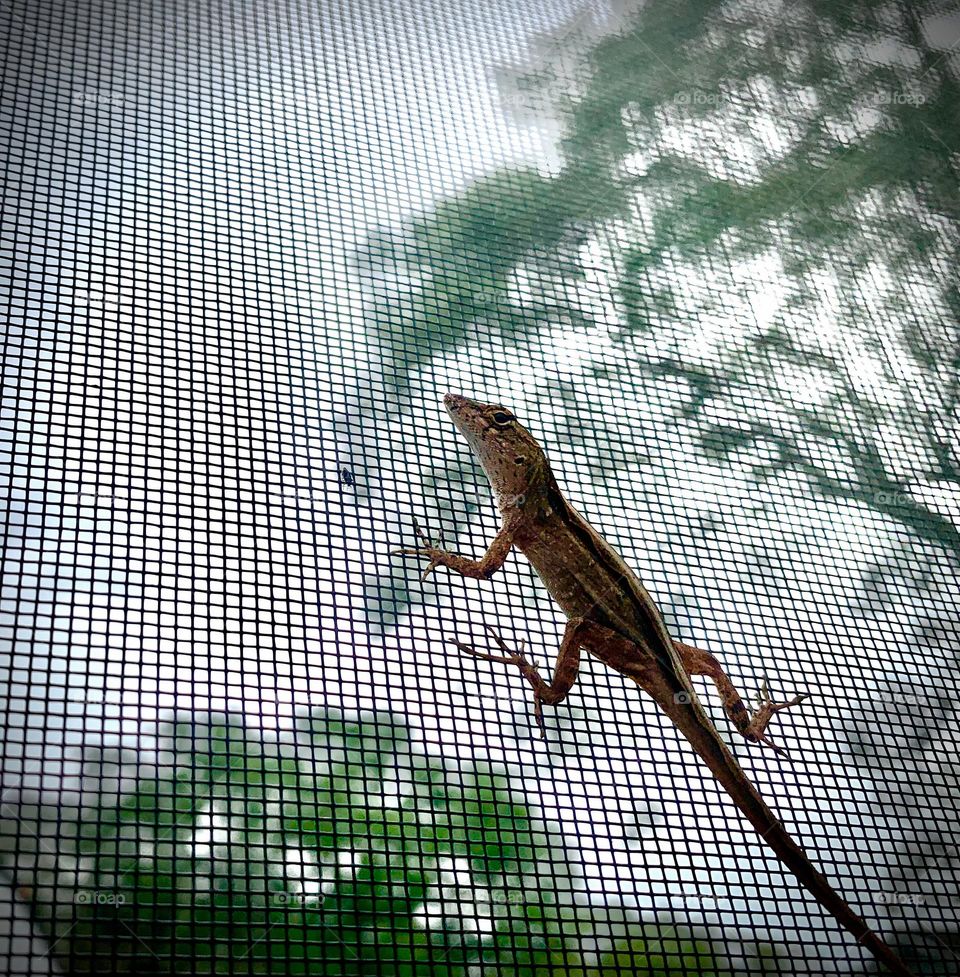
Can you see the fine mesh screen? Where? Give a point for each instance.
(706, 252)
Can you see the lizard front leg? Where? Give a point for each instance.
(699, 662)
(564, 672)
(482, 569)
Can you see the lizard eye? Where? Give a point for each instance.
(502, 417)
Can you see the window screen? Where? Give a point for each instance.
(706, 252)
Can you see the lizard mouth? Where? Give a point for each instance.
(454, 402)
(467, 414)
(463, 409)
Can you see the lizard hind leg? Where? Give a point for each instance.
(565, 670)
(752, 726)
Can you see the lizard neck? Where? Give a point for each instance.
(525, 512)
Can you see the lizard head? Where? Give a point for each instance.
(509, 454)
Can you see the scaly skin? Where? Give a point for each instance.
(611, 615)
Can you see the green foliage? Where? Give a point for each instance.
(867, 180)
(255, 856)
(445, 279)
(340, 850)
(853, 381)
(654, 956)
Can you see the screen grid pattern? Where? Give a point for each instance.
(706, 252)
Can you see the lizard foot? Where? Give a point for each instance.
(509, 658)
(766, 709)
(434, 551)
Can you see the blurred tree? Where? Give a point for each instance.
(341, 851)
(701, 137)
(820, 137)
(444, 280)
(252, 857)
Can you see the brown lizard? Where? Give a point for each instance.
(611, 615)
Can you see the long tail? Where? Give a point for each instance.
(725, 768)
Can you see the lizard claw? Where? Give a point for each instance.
(507, 658)
(431, 566)
(766, 709)
(766, 741)
(429, 543)
(516, 657)
(433, 551)
(470, 650)
(538, 716)
(510, 658)
(419, 531)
